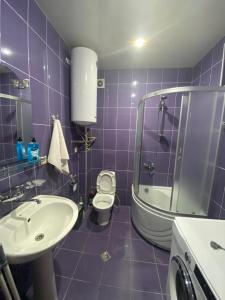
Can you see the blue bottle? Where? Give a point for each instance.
(20, 149)
(33, 150)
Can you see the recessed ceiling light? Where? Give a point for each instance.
(6, 51)
(134, 83)
(139, 43)
(133, 95)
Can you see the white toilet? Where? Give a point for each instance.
(104, 199)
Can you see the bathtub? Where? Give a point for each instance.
(151, 215)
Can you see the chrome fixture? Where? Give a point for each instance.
(68, 61)
(162, 104)
(17, 193)
(21, 84)
(17, 199)
(150, 166)
(162, 108)
(38, 201)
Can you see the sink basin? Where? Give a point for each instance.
(29, 233)
(32, 229)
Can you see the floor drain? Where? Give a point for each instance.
(105, 256)
(39, 237)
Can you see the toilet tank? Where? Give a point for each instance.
(83, 86)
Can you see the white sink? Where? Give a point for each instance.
(30, 231)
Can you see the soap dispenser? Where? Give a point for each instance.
(33, 150)
(20, 150)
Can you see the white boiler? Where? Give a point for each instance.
(84, 86)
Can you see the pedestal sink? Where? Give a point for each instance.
(30, 232)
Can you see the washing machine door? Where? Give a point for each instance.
(180, 284)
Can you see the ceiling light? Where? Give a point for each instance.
(133, 95)
(134, 83)
(6, 51)
(139, 43)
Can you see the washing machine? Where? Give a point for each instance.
(197, 269)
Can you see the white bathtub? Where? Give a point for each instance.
(151, 216)
(157, 196)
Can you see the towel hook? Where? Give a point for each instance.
(55, 117)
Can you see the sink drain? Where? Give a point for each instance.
(39, 237)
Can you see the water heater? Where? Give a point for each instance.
(84, 86)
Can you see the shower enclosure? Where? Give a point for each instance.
(174, 169)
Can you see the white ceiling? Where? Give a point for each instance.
(179, 32)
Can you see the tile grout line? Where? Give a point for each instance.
(73, 273)
(107, 248)
(157, 270)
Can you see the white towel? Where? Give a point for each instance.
(58, 155)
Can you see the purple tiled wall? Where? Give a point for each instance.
(116, 122)
(38, 53)
(208, 72)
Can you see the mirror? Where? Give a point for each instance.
(15, 113)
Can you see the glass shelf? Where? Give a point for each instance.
(19, 166)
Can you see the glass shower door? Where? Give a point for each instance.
(196, 154)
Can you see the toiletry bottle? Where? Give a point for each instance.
(20, 150)
(33, 150)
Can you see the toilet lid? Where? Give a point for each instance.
(106, 182)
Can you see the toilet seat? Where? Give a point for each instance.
(106, 182)
(103, 201)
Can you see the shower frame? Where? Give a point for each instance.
(187, 90)
(155, 223)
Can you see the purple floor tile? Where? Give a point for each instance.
(61, 285)
(121, 214)
(119, 248)
(101, 230)
(142, 251)
(134, 233)
(144, 277)
(137, 295)
(75, 241)
(85, 224)
(65, 262)
(96, 244)
(117, 273)
(82, 291)
(162, 256)
(163, 271)
(89, 268)
(112, 293)
(121, 230)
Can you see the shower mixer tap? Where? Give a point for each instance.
(150, 167)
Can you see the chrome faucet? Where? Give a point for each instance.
(17, 199)
(17, 193)
(38, 201)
